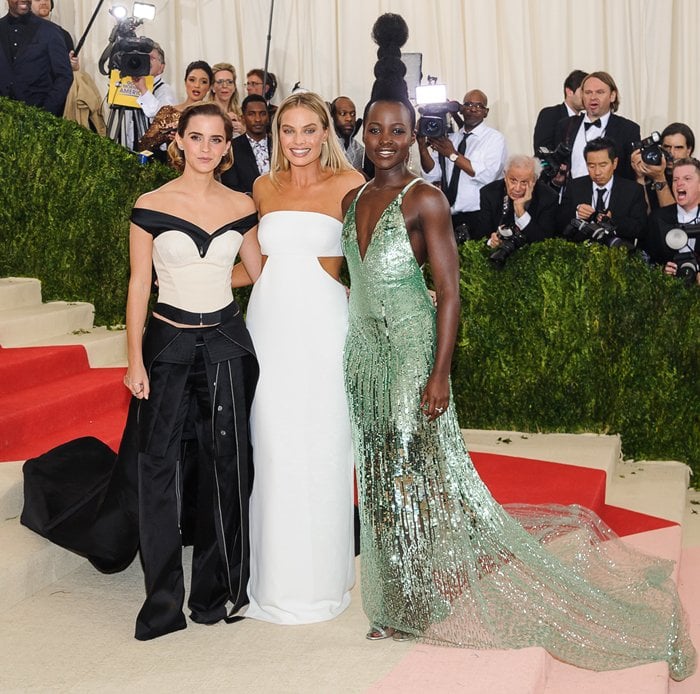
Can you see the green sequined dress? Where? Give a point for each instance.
(440, 557)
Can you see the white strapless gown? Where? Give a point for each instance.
(301, 519)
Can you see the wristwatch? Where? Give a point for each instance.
(453, 157)
(658, 185)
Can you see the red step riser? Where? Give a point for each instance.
(28, 367)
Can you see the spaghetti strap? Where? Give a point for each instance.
(406, 187)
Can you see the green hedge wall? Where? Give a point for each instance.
(565, 338)
(66, 198)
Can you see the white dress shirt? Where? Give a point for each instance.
(486, 150)
(583, 137)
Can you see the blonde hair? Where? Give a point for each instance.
(332, 154)
(176, 157)
(233, 104)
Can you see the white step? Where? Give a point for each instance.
(22, 326)
(29, 563)
(104, 346)
(11, 498)
(16, 292)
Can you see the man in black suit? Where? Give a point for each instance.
(603, 196)
(517, 200)
(251, 151)
(34, 64)
(601, 100)
(548, 118)
(686, 211)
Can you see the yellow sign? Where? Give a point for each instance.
(123, 92)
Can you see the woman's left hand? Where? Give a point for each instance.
(436, 397)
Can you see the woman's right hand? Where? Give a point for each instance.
(136, 380)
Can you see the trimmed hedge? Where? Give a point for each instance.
(66, 198)
(575, 338)
(565, 338)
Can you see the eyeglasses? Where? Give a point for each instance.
(474, 105)
(226, 83)
(253, 84)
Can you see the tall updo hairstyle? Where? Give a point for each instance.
(176, 156)
(390, 32)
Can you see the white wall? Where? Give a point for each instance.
(517, 51)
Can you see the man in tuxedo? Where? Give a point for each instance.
(465, 161)
(34, 63)
(519, 200)
(686, 210)
(601, 100)
(251, 151)
(603, 196)
(548, 118)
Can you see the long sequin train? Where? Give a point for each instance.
(440, 557)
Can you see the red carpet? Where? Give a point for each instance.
(49, 395)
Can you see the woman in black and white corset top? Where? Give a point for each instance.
(192, 369)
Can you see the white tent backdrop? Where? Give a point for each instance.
(517, 51)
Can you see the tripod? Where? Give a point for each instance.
(126, 126)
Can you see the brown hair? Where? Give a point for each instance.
(176, 156)
(607, 79)
(687, 161)
(332, 155)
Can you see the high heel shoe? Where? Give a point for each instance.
(377, 633)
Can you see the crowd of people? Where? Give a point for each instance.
(274, 412)
(585, 153)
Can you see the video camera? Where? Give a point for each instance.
(650, 150)
(511, 239)
(125, 51)
(434, 106)
(686, 261)
(601, 232)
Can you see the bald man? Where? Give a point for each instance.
(465, 161)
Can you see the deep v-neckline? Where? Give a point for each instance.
(392, 202)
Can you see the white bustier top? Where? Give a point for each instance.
(193, 266)
(299, 232)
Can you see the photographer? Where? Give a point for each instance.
(518, 201)
(603, 196)
(685, 211)
(677, 141)
(162, 95)
(465, 161)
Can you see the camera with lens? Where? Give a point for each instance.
(554, 163)
(131, 56)
(600, 232)
(650, 150)
(511, 239)
(434, 106)
(686, 261)
(127, 52)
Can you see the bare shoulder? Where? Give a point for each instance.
(348, 180)
(425, 196)
(237, 204)
(155, 199)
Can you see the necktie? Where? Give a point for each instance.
(595, 122)
(451, 191)
(600, 202)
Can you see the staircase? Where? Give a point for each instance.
(52, 601)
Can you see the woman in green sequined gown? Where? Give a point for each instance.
(441, 559)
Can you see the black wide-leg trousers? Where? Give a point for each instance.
(218, 396)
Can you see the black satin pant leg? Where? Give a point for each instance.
(209, 589)
(159, 495)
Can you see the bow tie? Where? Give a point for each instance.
(596, 122)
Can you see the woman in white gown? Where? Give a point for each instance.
(301, 521)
